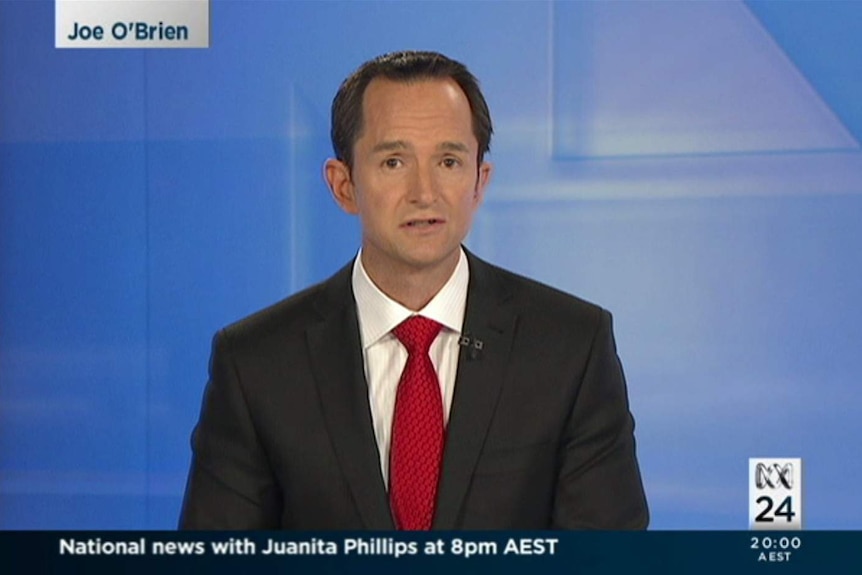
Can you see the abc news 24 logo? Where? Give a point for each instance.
(775, 493)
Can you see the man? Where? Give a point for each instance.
(419, 387)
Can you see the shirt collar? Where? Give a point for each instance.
(379, 314)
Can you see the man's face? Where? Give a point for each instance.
(415, 183)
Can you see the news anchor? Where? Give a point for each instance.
(419, 387)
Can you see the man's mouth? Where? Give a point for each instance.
(424, 223)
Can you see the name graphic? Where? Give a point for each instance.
(140, 31)
(131, 24)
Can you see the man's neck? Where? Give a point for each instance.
(412, 287)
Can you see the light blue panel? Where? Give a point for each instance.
(73, 408)
(822, 41)
(734, 308)
(737, 323)
(669, 78)
(322, 238)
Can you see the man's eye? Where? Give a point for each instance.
(392, 162)
(450, 162)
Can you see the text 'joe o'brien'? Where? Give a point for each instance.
(139, 31)
(113, 24)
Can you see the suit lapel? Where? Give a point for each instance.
(336, 359)
(478, 384)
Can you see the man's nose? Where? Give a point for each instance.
(423, 187)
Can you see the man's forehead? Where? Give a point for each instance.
(383, 95)
(439, 103)
(382, 83)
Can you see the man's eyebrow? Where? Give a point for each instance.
(390, 146)
(453, 147)
(393, 145)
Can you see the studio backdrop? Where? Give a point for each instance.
(693, 167)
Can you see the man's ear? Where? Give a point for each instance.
(482, 181)
(337, 176)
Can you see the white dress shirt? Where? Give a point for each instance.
(385, 356)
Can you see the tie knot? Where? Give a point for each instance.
(417, 333)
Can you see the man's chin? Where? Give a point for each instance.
(426, 261)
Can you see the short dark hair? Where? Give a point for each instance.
(403, 67)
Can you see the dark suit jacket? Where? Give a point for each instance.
(539, 436)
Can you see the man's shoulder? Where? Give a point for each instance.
(293, 314)
(531, 295)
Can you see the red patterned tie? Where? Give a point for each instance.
(417, 429)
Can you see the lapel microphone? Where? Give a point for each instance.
(472, 345)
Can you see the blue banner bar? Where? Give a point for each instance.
(665, 552)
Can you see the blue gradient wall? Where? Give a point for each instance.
(693, 167)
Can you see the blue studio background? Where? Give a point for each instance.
(693, 167)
